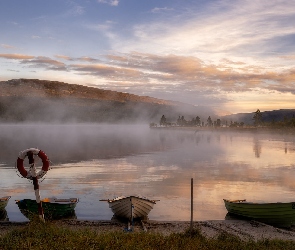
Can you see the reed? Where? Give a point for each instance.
(38, 235)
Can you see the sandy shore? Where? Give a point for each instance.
(246, 230)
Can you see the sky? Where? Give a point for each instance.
(232, 56)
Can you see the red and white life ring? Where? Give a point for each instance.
(28, 174)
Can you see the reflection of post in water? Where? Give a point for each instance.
(209, 138)
(198, 139)
(162, 141)
(218, 138)
(257, 147)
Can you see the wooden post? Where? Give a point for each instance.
(192, 203)
(36, 184)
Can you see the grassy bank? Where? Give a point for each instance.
(37, 235)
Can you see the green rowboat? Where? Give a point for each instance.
(278, 214)
(53, 208)
(4, 201)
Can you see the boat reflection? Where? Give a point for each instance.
(231, 216)
(3, 215)
(31, 215)
(126, 220)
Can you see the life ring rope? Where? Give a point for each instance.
(27, 173)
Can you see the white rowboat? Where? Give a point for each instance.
(131, 207)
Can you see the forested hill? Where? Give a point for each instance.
(55, 89)
(26, 100)
(266, 116)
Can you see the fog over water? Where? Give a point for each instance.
(101, 161)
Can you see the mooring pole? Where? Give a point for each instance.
(30, 155)
(192, 202)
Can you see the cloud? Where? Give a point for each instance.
(12, 70)
(6, 46)
(45, 62)
(110, 2)
(182, 74)
(102, 27)
(179, 72)
(221, 30)
(159, 10)
(82, 58)
(109, 72)
(288, 57)
(75, 10)
(151, 73)
(13, 23)
(64, 57)
(16, 56)
(88, 59)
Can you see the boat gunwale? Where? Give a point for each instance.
(128, 197)
(257, 203)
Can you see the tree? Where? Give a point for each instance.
(178, 121)
(257, 118)
(181, 121)
(209, 121)
(163, 120)
(198, 121)
(218, 123)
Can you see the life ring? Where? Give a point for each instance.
(28, 174)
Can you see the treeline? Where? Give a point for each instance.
(257, 119)
(286, 122)
(196, 121)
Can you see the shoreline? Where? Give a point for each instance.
(244, 229)
(287, 130)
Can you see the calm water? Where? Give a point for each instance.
(95, 162)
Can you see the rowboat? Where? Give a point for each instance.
(278, 214)
(4, 201)
(53, 208)
(131, 207)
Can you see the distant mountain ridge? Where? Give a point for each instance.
(24, 100)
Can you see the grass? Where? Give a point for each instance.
(38, 235)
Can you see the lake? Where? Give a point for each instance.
(101, 161)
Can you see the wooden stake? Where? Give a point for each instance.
(36, 185)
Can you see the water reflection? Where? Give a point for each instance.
(47, 216)
(95, 162)
(3, 215)
(257, 147)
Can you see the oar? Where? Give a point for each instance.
(30, 155)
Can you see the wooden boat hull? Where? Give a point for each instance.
(52, 208)
(4, 201)
(276, 214)
(131, 207)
